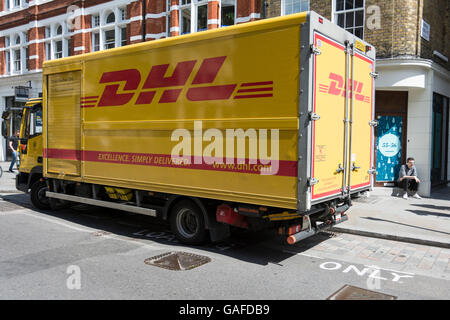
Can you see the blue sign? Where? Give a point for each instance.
(389, 147)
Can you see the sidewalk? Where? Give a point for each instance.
(423, 221)
(8, 179)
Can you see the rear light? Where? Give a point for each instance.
(320, 19)
(294, 229)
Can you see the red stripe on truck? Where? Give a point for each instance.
(285, 168)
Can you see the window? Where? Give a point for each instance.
(59, 30)
(96, 41)
(17, 63)
(48, 51)
(95, 20)
(110, 39)
(349, 14)
(123, 14)
(67, 47)
(8, 62)
(228, 14)
(58, 49)
(7, 43)
(185, 16)
(27, 57)
(123, 36)
(294, 6)
(18, 40)
(202, 17)
(16, 3)
(193, 15)
(111, 18)
(47, 32)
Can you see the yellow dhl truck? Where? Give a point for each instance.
(267, 124)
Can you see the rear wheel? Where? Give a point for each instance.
(188, 223)
(38, 197)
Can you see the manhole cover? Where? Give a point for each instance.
(354, 293)
(177, 261)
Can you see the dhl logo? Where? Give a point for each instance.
(337, 88)
(173, 85)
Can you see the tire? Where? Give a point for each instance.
(38, 198)
(188, 223)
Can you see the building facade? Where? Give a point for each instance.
(411, 38)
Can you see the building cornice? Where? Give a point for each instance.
(413, 62)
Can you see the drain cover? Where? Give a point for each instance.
(177, 261)
(354, 293)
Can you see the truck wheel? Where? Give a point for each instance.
(188, 223)
(38, 197)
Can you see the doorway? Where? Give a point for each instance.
(390, 135)
(440, 123)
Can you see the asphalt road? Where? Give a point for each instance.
(93, 253)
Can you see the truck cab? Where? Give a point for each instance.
(30, 151)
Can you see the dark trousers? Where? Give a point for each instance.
(409, 185)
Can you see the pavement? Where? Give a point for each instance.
(380, 214)
(385, 214)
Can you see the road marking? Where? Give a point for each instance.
(373, 272)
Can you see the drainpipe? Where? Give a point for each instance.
(418, 28)
(144, 10)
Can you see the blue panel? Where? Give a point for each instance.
(389, 147)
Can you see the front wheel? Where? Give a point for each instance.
(38, 198)
(188, 223)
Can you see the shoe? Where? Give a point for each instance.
(11, 170)
(405, 196)
(416, 196)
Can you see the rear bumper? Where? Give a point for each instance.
(308, 233)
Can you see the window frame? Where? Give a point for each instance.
(335, 13)
(283, 7)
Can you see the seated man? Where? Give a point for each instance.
(408, 179)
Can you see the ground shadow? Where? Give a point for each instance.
(403, 224)
(254, 247)
(432, 206)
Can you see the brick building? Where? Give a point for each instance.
(411, 37)
(34, 31)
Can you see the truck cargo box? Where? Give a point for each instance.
(297, 91)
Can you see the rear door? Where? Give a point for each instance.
(329, 128)
(361, 115)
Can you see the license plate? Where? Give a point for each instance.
(337, 216)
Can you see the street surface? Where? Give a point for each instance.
(87, 252)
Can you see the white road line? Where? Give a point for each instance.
(377, 267)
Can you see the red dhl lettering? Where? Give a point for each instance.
(337, 88)
(130, 79)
